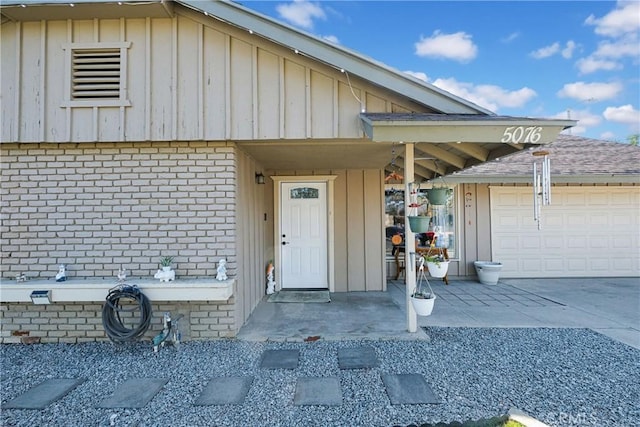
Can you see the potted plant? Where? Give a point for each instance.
(423, 299)
(417, 223)
(165, 263)
(437, 265)
(439, 195)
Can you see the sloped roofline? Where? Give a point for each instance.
(309, 45)
(336, 56)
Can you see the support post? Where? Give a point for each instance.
(409, 240)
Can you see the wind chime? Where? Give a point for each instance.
(541, 185)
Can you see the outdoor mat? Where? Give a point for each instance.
(408, 389)
(134, 393)
(45, 393)
(225, 391)
(300, 296)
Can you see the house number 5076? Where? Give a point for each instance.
(518, 134)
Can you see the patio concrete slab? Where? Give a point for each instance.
(134, 393)
(357, 358)
(323, 391)
(225, 391)
(408, 389)
(280, 359)
(43, 394)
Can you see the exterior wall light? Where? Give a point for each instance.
(259, 178)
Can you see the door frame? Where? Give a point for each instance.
(329, 181)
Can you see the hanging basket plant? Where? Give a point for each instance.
(419, 223)
(439, 195)
(423, 299)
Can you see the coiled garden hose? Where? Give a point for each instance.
(112, 321)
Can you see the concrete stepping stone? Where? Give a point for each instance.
(408, 389)
(280, 359)
(357, 358)
(318, 391)
(134, 393)
(225, 391)
(43, 394)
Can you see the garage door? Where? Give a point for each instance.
(586, 232)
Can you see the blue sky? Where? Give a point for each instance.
(560, 59)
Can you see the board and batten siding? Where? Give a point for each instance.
(187, 78)
(359, 246)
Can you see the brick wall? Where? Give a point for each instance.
(96, 207)
(99, 207)
(82, 322)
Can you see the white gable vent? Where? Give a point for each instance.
(97, 74)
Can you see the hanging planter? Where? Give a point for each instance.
(439, 196)
(437, 266)
(419, 223)
(422, 299)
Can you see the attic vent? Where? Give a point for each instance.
(95, 74)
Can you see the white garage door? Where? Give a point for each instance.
(586, 232)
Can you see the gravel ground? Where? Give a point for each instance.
(564, 377)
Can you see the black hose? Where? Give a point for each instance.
(111, 320)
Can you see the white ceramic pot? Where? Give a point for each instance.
(439, 269)
(423, 306)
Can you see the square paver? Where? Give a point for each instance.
(134, 393)
(357, 358)
(408, 389)
(280, 359)
(318, 391)
(43, 394)
(225, 391)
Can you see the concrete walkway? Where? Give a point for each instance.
(610, 306)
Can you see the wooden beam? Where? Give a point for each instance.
(441, 154)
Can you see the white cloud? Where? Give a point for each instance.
(626, 46)
(511, 37)
(457, 46)
(418, 75)
(608, 136)
(547, 51)
(592, 64)
(622, 20)
(625, 114)
(582, 91)
(552, 49)
(332, 39)
(567, 52)
(585, 118)
(301, 13)
(487, 96)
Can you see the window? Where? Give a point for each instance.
(443, 222)
(304, 193)
(97, 75)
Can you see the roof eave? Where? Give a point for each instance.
(480, 131)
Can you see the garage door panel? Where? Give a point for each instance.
(586, 231)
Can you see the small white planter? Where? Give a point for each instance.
(423, 306)
(488, 272)
(438, 269)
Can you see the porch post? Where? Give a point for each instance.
(409, 240)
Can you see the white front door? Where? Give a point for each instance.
(304, 235)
